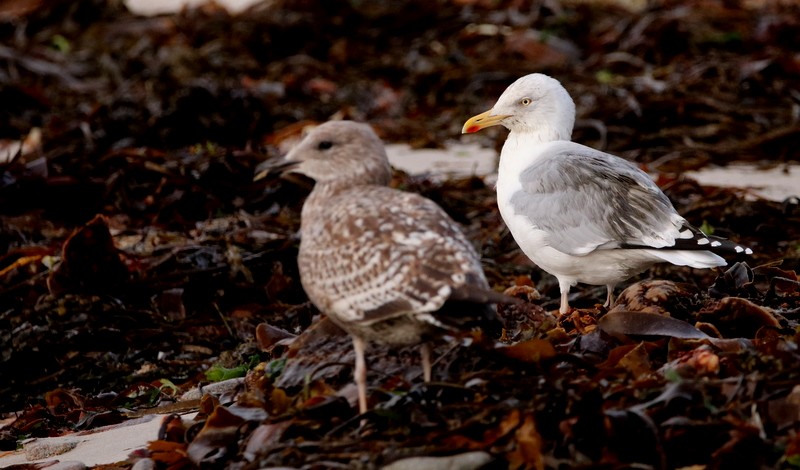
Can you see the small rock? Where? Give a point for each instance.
(465, 461)
(68, 465)
(216, 389)
(43, 448)
(144, 464)
(656, 296)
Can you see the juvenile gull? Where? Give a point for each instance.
(580, 214)
(385, 265)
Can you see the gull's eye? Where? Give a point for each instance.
(525, 101)
(325, 145)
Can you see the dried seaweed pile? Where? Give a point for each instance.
(140, 259)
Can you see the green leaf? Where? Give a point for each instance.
(707, 228)
(60, 43)
(218, 373)
(274, 368)
(604, 76)
(167, 384)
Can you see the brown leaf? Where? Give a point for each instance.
(768, 340)
(737, 280)
(509, 422)
(784, 412)
(768, 270)
(264, 436)
(172, 429)
(60, 401)
(528, 450)
(524, 292)
(208, 403)
(619, 322)
(739, 318)
(171, 454)
(216, 438)
(278, 282)
(637, 361)
(268, 336)
(462, 442)
(744, 449)
(89, 261)
(532, 350)
(319, 344)
(279, 402)
(698, 362)
(784, 286)
(169, 304)
(792, 447)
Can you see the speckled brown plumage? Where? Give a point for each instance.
(383, 264)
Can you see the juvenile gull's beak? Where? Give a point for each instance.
(274, 166)
(481, 121)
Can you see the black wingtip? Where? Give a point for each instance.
(718, 245)
(695, 240)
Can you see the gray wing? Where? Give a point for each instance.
(585, 200)
(378, 253)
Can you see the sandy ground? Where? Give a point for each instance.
(776, 183)
(160, 7)
(104, 445)
(109, 444)
(456, 160)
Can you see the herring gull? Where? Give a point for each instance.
(385, 265)
(581, 214)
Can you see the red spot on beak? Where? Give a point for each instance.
(472, 129)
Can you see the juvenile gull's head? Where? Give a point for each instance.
(342, 152)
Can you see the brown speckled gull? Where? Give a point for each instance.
(385, 265)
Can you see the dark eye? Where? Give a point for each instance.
(325, 145)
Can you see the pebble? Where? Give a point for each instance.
(45, 448)
(465, 461)
(144, 464)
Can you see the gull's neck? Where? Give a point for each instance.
(523, 148)
(324, 191)
(548, 121)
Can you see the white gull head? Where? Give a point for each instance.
(535, 105)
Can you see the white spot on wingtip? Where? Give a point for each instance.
(748, 251)
(715, 243)
(703, 241)
(739, 249)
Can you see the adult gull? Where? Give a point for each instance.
(581, 214)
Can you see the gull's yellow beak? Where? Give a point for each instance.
(482, 120)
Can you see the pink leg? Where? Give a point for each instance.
(360, 373)
(425, 353)
(610, 298)
(564, 302)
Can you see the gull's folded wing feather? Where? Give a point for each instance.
(409, 256)
(585, 200)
